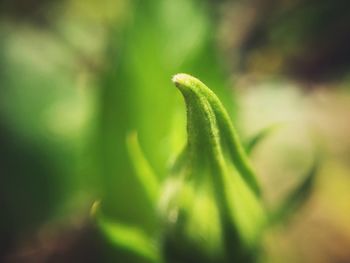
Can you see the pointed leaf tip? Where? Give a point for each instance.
(183, 80)
(180, 78)
(196, 92)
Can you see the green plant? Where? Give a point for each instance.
(210, 206)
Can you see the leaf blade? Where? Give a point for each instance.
(126, 237)
(143, 170)
(296, 198)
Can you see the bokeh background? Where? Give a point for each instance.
(76, 77)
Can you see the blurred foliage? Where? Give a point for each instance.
(305, 39)
(72, 91)
(156, 42)
(77, 78)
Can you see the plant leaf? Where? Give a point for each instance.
(259, 137)
(298, 197)
(130, 238)
(230, 136)
(211, 177)
(142, 168)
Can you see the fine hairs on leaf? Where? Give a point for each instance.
(211, 204)
(230, 136)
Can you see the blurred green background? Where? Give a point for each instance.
(76, 77)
